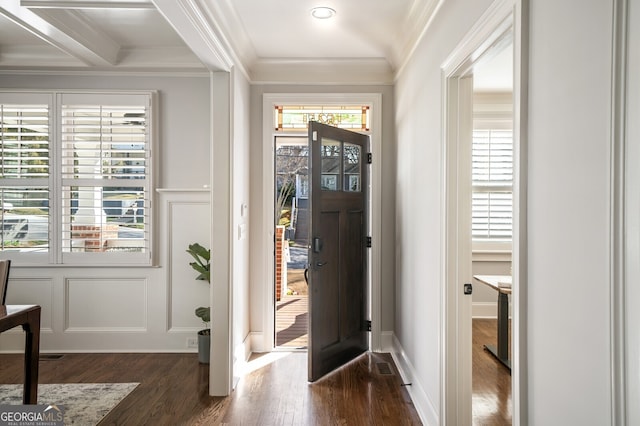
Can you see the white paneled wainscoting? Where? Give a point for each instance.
(123, 308)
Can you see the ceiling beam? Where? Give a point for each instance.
(190, 22)
(88, 4)
(65, 30)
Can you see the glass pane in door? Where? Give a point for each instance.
(352, 167)
(331, 155)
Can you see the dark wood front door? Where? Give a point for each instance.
(337, 251)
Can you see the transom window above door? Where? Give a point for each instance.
(297, 117)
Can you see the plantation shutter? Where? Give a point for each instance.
(105, 173)
(24, 172)
(492, 179)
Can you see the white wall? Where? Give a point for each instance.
(569, 167)
(485, 299)
(568, 282)
(631, 230)
(419, 198)
(134, 308)
(241, 212)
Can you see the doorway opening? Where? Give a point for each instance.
(491, 195)
(292, 209)
(274, 134)
(292, 241)
(501, 25)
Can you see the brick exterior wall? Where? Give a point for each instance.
(94, 236)
(280, 265)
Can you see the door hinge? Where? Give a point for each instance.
(367, 325)
(369, 158)
(367, 242)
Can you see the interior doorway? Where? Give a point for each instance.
(501, 22)
(491, 196)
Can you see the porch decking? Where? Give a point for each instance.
(292, 319)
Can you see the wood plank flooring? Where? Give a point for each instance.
(173, 388)
(360, 393)
(491, 398)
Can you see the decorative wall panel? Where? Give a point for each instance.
(106, 304)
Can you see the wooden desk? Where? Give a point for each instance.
(28, 316)
(502, 284)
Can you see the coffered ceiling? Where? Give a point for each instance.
(264, 38)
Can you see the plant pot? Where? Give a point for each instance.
(204, 346)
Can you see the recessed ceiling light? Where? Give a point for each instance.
(323, 12)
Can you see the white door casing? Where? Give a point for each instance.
(501, 17)
(456, 358)
(625, 220)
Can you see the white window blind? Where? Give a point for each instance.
(24, 176)
(492, 179)
(105, 184)
(81, 193)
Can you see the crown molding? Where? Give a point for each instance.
(87, 4)
(95, 72)
(322, 71)
(418, 22)
(190, 20)
(151, 59)
(35, 56)
(232, 33)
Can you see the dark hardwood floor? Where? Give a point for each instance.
(491, 400)
(367, 391)
(173, 388)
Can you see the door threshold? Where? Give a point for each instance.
(290, 349)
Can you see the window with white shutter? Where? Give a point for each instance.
(82, 193)
(25, 173)
(492, 180)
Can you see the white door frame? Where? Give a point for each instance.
(501, 16)
(625, 221)
(269, 101)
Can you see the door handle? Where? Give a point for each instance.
(320, 264)
(317, 245)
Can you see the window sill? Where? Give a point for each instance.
(81, 266)
(491, 256)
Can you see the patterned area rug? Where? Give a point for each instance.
(85, 403)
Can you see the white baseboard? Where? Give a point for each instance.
(257, 342)
(386, 341)
(484, 310)
(241, 354)
(426, 408)
(245, 347)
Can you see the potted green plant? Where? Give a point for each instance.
(202, 265)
